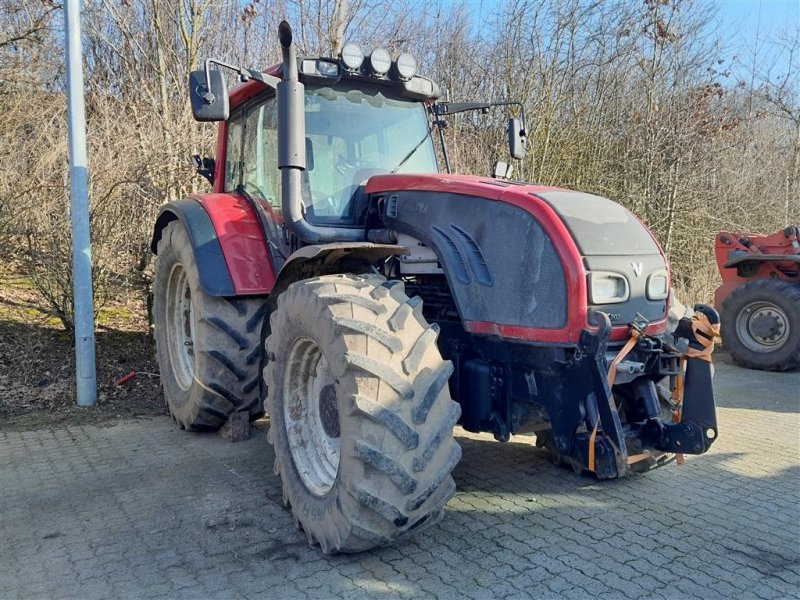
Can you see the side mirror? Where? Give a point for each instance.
(516, 139)
(209, 98)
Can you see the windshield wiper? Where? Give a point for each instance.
(410, 154)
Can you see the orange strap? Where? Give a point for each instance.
(612, 369)
(677, 402)
(645, 455)
(592, 438)
(612, 375)
(700, 323)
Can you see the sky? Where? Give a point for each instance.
(749, 24)
(750, 20)
(743, 25)
(744, 16)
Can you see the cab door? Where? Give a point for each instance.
(252, 169)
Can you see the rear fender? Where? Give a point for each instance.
(211, 267)
(228, 243)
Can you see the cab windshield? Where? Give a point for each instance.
(353, 134)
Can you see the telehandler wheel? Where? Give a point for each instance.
(208, 348)
(361, 418)
(761, 325)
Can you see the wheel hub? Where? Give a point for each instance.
(765, 325)
(311, 416)
(180, 326)
(329, 411)
(762, 326)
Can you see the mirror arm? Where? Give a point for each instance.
(450, 108)
(244, 75)
(205, 167)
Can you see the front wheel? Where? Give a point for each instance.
(361, 417)
(761, 325)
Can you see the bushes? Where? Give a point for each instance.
(634, 101)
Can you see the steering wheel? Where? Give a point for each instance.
(253, 190)
(343, 167)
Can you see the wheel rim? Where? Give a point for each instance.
(762, 326)
(180, 327)
(311, 416)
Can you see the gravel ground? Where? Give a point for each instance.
(142, 510)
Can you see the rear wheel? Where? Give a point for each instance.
(208, 348)
(361, 418)
(761, 325)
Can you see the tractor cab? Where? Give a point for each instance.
(352, 132)
(362, 116)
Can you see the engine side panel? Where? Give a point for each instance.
(483, 257)
(528, 198)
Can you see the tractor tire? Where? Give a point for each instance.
(209, 348)
(761, 325)
(361, 418)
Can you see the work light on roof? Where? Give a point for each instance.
(352, 57)
(381, 61)
(406, 66)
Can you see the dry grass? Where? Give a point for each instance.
(37, 382)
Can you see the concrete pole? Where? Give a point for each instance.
(83, 303)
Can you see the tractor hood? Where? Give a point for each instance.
(470, 185)
(518, 256)
(599, 226)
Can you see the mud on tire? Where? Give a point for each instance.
(374, 359)
(218, 372)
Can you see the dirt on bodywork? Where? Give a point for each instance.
(37, 385)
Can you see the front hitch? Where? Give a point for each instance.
(694, 413)
(602, 447)
(694, 425)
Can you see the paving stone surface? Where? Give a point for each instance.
(143, 510)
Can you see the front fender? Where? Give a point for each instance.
(326, 259)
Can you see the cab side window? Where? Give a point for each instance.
(233, 154)
(260, 175)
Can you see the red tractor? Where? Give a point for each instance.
(759, 298)
(386, 302)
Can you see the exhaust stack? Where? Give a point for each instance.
(292, 151)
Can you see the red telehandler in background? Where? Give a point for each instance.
(759, 299)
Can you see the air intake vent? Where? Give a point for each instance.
(391, 207)
(477, 261)
(456, 261)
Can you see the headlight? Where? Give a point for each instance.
(319, 68)
(381, 61)
(607, 288)
(406, 66)
(352, 57)
(658, 286)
